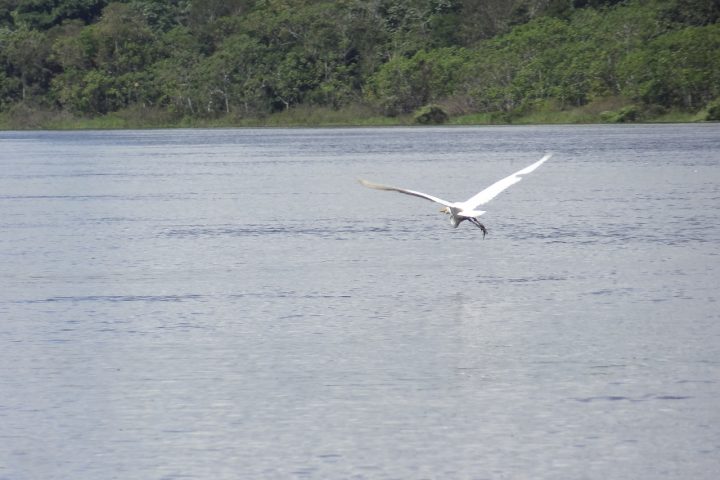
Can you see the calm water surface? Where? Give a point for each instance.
(225, 304)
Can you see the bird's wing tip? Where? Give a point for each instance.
(367, 184)
(376, 186)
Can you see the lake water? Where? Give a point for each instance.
(232, 304)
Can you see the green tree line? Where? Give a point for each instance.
(250, 59)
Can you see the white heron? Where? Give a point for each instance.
(466, 210)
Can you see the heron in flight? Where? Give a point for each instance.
(467, 210)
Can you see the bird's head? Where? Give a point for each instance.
(445, 210)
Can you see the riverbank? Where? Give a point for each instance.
(606, 111)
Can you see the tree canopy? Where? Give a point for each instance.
(252, 58)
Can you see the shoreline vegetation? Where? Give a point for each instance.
(321, 117)
(99, 64)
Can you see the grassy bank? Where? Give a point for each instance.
(611, 110)
(26, 118)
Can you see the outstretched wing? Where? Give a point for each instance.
(377, 186)
(494, 190)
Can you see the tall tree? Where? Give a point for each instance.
(27, 55)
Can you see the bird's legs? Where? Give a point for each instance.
(479, 225)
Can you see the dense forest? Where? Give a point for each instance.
(235, 62)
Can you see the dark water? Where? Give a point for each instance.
(225, 304)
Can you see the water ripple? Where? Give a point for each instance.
(643, 398)
(116, 298)
(259, 230)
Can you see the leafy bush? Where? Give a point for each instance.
(628, 114)
(430, 115)
(713, 114)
